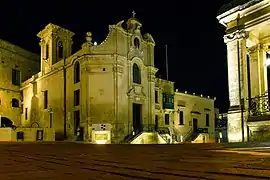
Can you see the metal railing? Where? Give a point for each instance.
(259, 105)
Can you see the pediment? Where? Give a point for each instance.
(136, 91)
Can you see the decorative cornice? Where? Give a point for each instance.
(258, 47)
(239, 34)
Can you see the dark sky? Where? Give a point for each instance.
(196, 51)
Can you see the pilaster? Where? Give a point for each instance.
(238, 83)
(236, 57)
(258, 70)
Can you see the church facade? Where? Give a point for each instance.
(111, 83)
(247, 39)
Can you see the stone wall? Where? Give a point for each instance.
(27, 63)
(30, 134)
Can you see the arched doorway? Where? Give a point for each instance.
(5, 122)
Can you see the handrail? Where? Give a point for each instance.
(188, 133)
(259, 105)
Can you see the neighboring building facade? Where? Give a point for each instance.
(16, 65)
(248, 42)
(194, 118)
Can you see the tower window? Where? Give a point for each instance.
(60, 50)
(136, 74)
(15, 102)
(76, 72)
(47, 52)
(137, 43)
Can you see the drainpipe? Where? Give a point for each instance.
(65, 99)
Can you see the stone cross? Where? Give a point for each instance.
(133, 14)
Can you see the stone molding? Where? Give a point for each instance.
(258, 47)
(239, 34)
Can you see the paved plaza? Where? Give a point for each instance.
(84, 161)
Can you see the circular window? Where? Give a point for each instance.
(136, 42)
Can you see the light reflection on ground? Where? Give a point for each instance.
(86, 161)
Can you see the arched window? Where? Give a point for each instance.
(137, 43)
(15, 102)
(60, 50)
(77, 74)
(136, 74)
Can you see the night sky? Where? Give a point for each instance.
(196, 51)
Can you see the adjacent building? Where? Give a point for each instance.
(194, 118)
(248, 47)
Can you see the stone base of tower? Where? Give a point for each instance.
(234, 126)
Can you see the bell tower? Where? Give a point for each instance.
(56, 44)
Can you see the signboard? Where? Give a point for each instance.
(101, 127)
(101, 136)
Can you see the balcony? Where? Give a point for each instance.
(168, 101)
(259, 105)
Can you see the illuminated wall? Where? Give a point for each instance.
(193, 106)
(107, 90)
(26, 64)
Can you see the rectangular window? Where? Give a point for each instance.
(181, 118)
(77, 121)
(16, 77)
(207, 120)
(45, 99)
(47, 52)
(26, 113)
(167, 119)
(156, 96)
(77, 97)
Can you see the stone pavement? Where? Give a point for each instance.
(26, 161)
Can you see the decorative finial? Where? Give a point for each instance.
(133, 14)
(89, 37)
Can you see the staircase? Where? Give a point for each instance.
(147, 134)
(196, 133)
(129, 138)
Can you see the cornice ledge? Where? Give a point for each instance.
(239, 34)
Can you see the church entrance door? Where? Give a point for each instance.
(137, 117)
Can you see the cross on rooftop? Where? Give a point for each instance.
(133, 13)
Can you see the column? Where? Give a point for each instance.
(262, 69)
(238, 83)
(254, 71)
(151, 94)
(237, 72)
